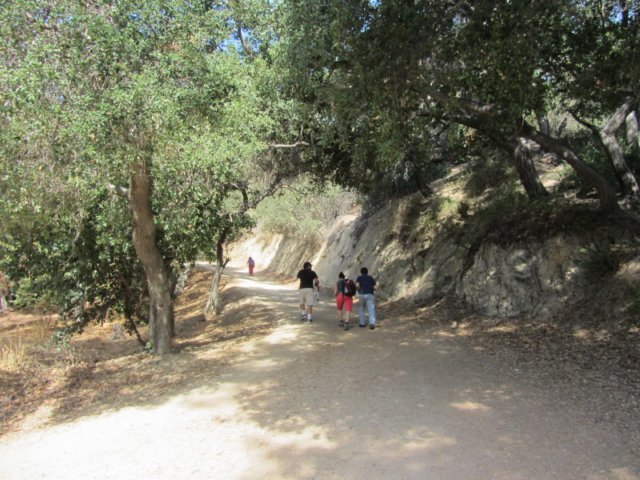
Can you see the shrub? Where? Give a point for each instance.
(599, 261)
(305, 210)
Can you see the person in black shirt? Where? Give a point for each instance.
(366, 285)
(308, 281)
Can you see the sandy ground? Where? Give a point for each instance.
(311, 401)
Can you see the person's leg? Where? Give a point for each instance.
(303, 315)
(362, 302)
(348, 305)
(371, 303)
(310, 302)
(340, 308)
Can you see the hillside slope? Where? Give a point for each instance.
(567, 263)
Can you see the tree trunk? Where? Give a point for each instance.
(527, 171)
(134, 328)
(213, 306)
(517, 148)
(606, 193)
(144, 241)
(543, 123)
(633, 137)
(607, 135)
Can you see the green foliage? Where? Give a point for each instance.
(593, 65)
(499, 220)
(84, 267)
(304, 211)
(489, 172)
(88, 89)
(60, 339)
(382, 80)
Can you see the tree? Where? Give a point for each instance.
(138, 96)
(482, 65)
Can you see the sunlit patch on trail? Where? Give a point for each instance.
(252, 284)
(470, 406)
(624, 474)
(283, 335)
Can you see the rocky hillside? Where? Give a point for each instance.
(565, 265)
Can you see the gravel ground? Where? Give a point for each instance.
(409, 400)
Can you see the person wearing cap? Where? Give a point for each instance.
(308, 281)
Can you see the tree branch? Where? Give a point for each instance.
(606, 193)
(245, 47)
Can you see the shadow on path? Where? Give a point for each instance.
(311, 401)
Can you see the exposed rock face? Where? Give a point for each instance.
(533, 278)
(537, 279)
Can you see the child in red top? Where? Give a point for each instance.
(344, 302)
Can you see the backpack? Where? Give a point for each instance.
(349, 287)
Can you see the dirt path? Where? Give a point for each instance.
(310, 401)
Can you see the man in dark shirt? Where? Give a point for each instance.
(308, 281)
(366, 284)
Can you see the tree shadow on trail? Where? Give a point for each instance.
(98, 374)
(412, 398)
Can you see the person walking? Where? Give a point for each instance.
(251, 263)
(366, 285)
(344, 291)
(308, 281)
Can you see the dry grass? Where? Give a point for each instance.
(97, 372)
(23, 333)
(14, 355)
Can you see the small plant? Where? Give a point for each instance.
(61, 339)
(447, 207)
(463, 210)
(600, 261)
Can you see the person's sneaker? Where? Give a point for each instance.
(310, 320)
(361, 326)
(341, 324)
(372, 326)
(346, 327)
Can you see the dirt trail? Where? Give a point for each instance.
(310, 401)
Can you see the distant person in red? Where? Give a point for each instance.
(251, 264)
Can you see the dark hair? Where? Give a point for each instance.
(364, 271)
(307, 265)
(341, 275)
